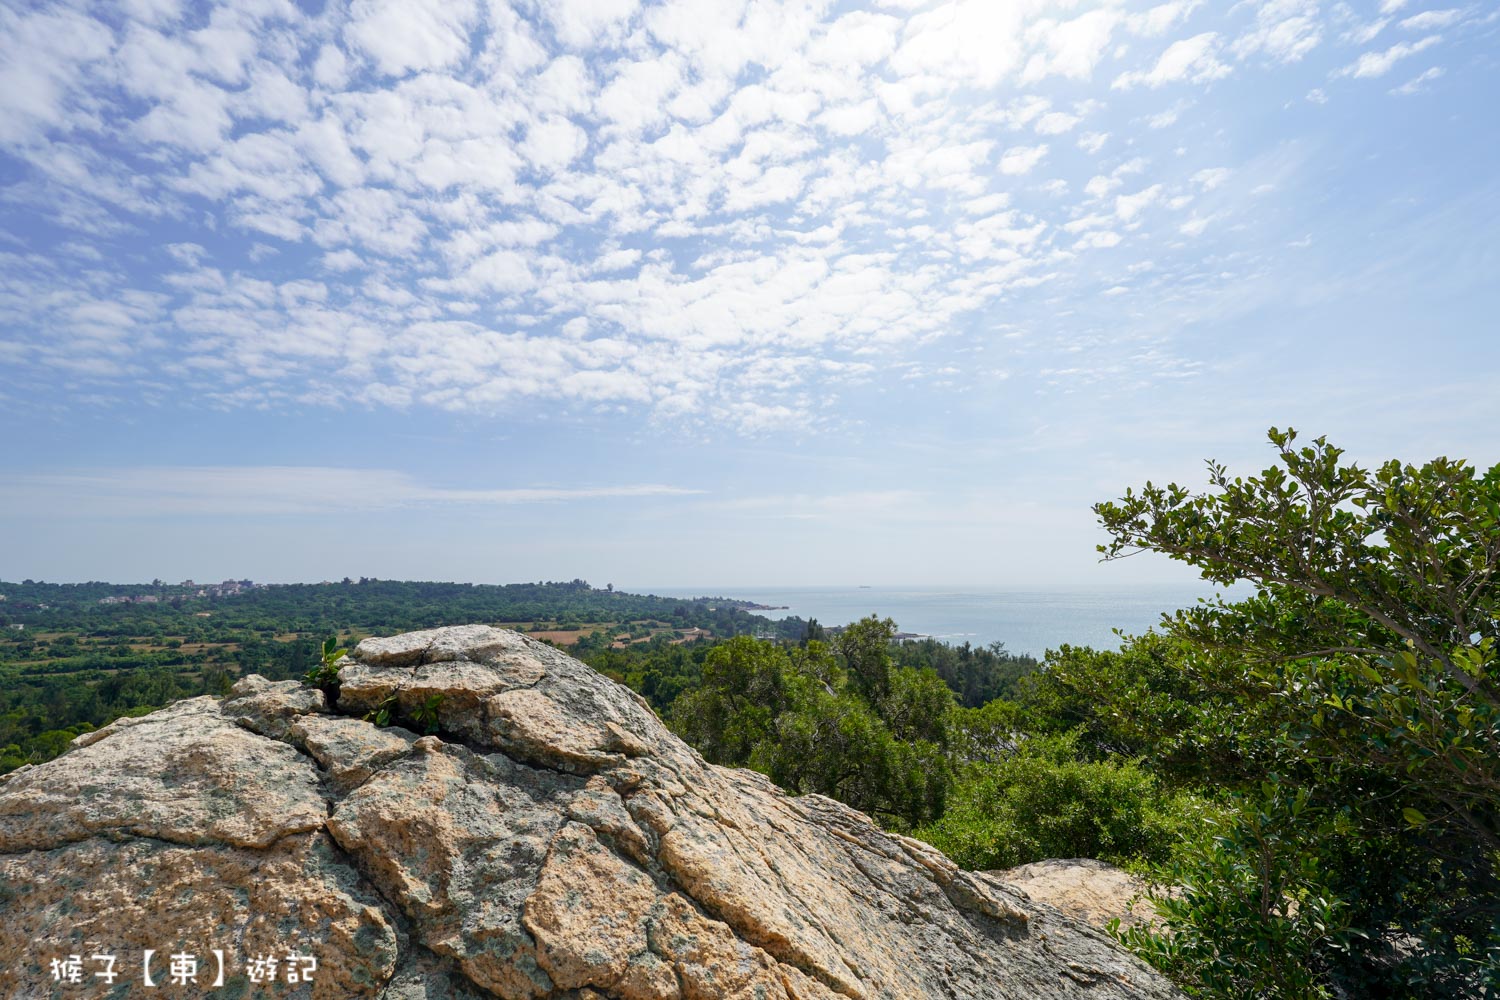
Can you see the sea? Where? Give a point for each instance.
(1026, 621)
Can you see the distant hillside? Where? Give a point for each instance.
(387, 606)
(76, 656)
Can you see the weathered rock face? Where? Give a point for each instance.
(1087, 890)
(553, 840)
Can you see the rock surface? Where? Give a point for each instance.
(1087, 890)
(552, 840)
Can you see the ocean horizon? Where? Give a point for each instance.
(1026, 620)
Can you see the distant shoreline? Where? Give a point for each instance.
(1026, 621)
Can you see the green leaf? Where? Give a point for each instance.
(1413, 817)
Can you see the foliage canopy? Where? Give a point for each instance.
(1358, 684)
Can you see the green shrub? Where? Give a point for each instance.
(1042, 802)
(1250, 913)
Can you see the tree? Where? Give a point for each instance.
(1365, 662)
(732, 712)
(865, 646)
(977, 674)
(798, 715)
(1373, 564)
(1157, 698)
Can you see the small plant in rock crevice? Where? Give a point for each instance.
(426, 716)
(381, 714)
(424, 719)
(325, 676)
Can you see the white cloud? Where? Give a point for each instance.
(1056, 123)
(188, 254)
(1363, 34)
(1069, 48)
(271, 96)
(582, 24)
(776, 185)
(1127, 207)
(260, 490)
(1193, 60)
(371, 217)
(404, 35)
(851, 119)
(954, 167)
(1211, 177)
(1022, 159)
(342, 260)
(1418, 83)
(1285, 31)
(44, 58)
(1379, 63)
(1195, 226)
(707, 212)
(1433, 20)
(331, 69)
(856, 40)
(963, 43)
(1100, 185)
(996, 237)
(1022, 111)
(565, 86)
(634, 97)
(617, 260)
(502, 271)
(1167, 118)
(1092, 142)
(1087, 222)
(1157, 20)
(1101, 239)
(555, 143)
(154, 12)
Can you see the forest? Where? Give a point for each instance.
(1310, 777)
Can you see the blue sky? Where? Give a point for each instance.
(714, 291)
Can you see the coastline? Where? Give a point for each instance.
(1025, 620)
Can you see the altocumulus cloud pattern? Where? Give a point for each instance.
(705, 210)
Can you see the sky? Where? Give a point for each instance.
(719, 292)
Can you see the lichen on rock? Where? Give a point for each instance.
(550, 839)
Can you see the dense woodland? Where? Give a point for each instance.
(1313, 772)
